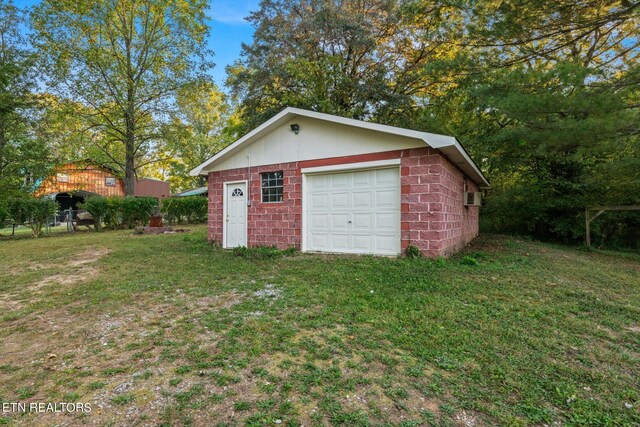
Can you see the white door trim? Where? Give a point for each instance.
(225, 186)
(347, 167)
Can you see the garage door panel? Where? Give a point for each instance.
(319, 241)
(386, 199)
(362, 199)
(319, 182)
(362, 243)
(339, 242)
(340, 181)
(387, 177)
(386, 244)
(319, 222)
(362, 179)
(354, 212)
(362, 221)
(339, 201)
(339, 221)
(319, 201)
(386, 221)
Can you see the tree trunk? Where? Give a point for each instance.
(130, 168)
(2, 145)
(130, 145)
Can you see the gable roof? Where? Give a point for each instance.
(448, 145)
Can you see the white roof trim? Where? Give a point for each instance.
(447, 144)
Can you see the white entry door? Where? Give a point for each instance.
(354, 212)
(235, 220)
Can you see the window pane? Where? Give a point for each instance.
(272, 186)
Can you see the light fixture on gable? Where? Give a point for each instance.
(295, 128)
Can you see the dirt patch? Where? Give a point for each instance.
(77, 269)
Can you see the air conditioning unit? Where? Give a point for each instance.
(472, 198)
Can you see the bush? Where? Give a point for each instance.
(97, 206)
(138, 210)
(185, 209)
(118, 211)
(412, 252)
(35, 213)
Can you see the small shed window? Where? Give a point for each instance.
(110, 182)
(272, 187)
(62, 177)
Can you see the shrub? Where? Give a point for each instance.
(97, 206)
(185, 209)
(32, 212)
(138, 210)
(118, 211)
(469, 260)
(412, 252)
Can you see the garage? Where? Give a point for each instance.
(323, 183)
(353, 212)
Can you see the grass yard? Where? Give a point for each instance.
(168, 330)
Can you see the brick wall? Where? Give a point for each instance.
(433, 217)
(277, 224)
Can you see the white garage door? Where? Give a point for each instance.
(354, 212)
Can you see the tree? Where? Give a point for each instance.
(201, 126)
(24, 156)
(123, 61)
(546, 94)
(361, 59)
(16, 80)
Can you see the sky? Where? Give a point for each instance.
(228, 30)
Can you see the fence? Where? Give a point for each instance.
(67, 217)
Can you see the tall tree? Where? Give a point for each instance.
(17, 80)
(202, 125)
(547, 95)
(124, 60)
(356, 58)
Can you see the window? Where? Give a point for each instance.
(272, 187)
(62, 177)
(110, 182)
(237, 193)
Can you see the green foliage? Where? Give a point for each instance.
(125, 61)
(97, 207)
(358, 59)
(35, 213)
(24, 154)
(116, 212)
(200, 127)
(412, 252)
(4, 213)
(182, 210)
(137, 210)
(263, 252)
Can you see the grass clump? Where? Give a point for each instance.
(263, 252)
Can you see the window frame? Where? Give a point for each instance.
(272, 189)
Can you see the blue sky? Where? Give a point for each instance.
(228, 30)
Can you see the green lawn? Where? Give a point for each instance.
(168, 330)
